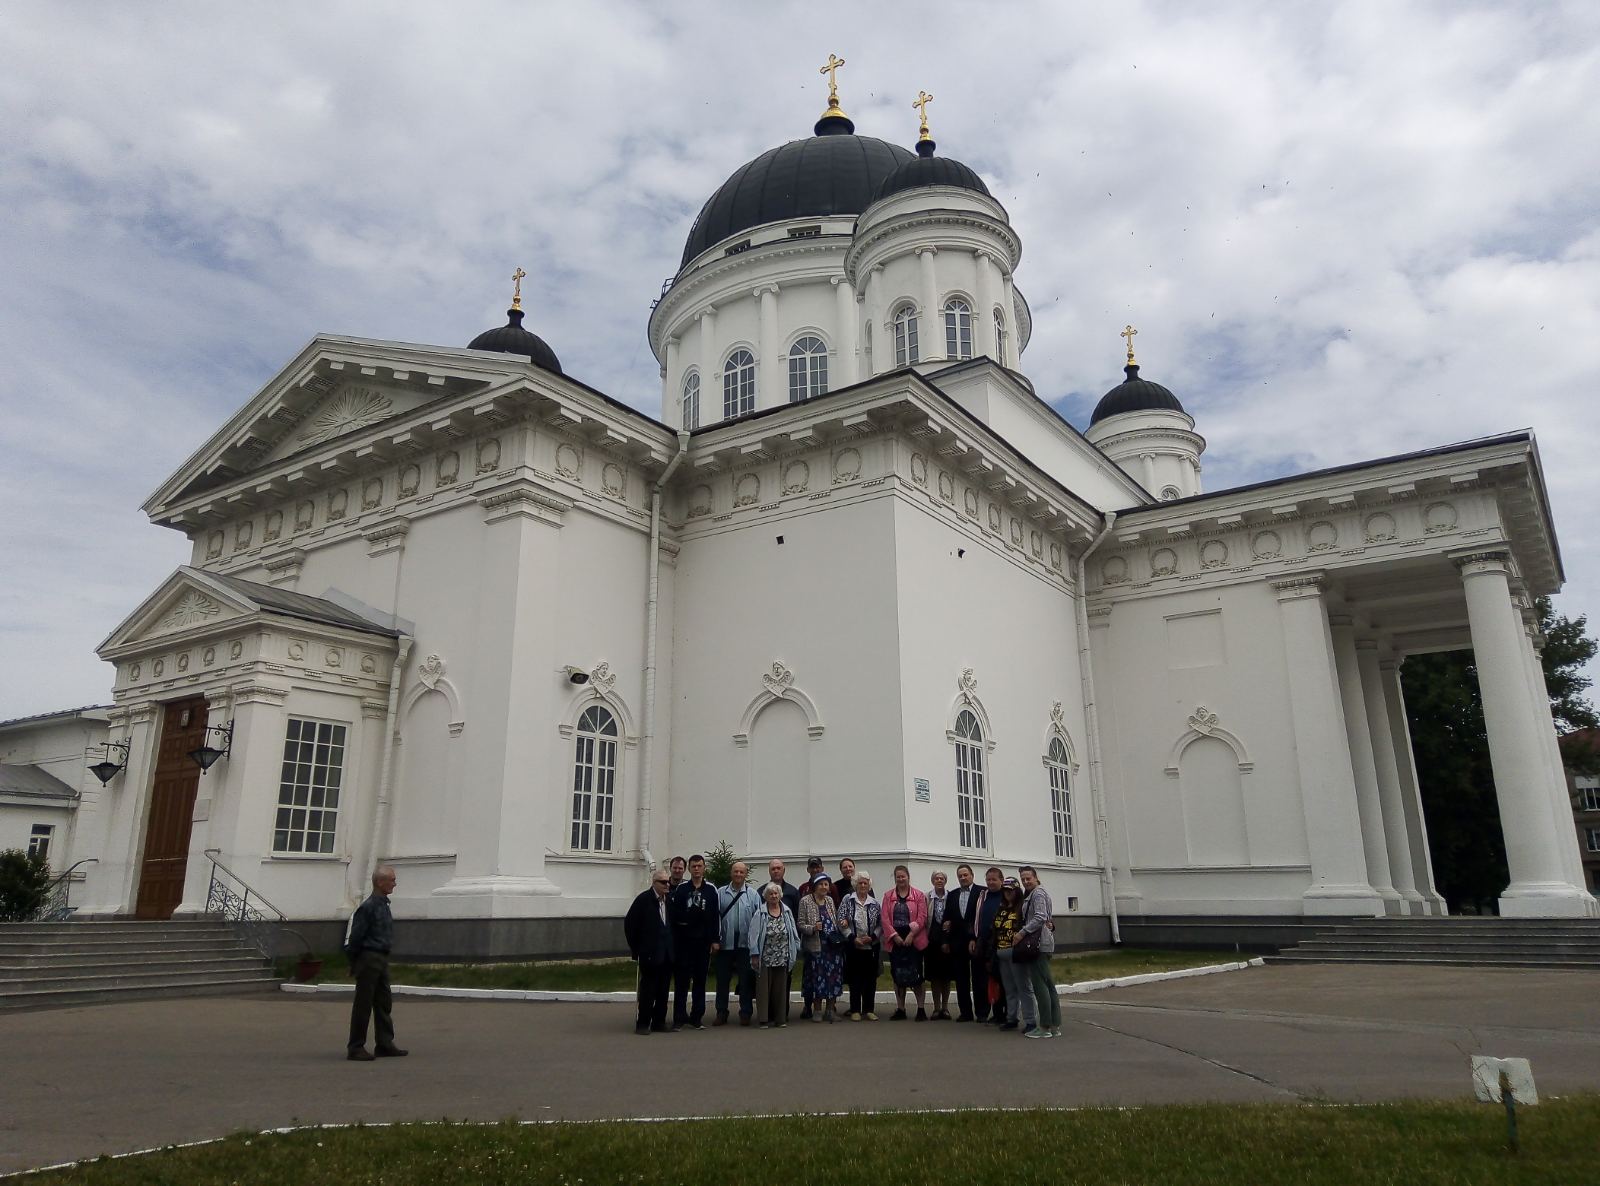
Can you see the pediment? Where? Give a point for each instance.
(335, 388)
(187, 600)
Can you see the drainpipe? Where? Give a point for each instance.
(647, 744)
(1097, 792)
(391, 738)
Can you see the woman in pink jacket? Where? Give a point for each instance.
(905, 932)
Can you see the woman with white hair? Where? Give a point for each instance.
(861, 923)
(774, 947)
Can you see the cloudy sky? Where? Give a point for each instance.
(1343, 230)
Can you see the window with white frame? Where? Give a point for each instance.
(39, 841)
(957, 328)
(594, 780)
(1588, 793)
(971, 792)
(808, 368)
(309, 786)
(999, 335)
(905, 337)
(1594, 839)
(691, 400)
(739, 384)
(1059, 766)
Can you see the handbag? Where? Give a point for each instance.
(1026, 948)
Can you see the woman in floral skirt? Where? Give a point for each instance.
(823, 979)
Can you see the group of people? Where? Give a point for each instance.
(992, 942)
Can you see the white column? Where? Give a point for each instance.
(988, 281)
(771, 389)
(1544, 721)
(880, 355)
(931, 346)
(1147, 464)
(1394, 701)
(1395, 833)
(710, 368)
(1359, 738)
(1339, 882)
(1539, 886)
(671, 384)
(845, 364)
(1008, 304)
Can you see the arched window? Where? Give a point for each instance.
(739, 384)
(691, 400)
(957, 328)
(808, 368)
(1059, 764)
(999, 335)
(971, 801)
(905, 337)
(594, 780)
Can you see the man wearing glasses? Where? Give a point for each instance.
(649, 935)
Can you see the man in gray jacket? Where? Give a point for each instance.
(736, 905)
(1038, 918)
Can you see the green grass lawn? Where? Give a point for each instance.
(1410, 1144)
(618, 975)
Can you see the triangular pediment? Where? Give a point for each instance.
(336, 388)
(187, 600)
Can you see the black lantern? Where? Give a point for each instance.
(105, 769)
(205, 756)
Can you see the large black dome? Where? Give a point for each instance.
(1134, 394)
(511, 338)
(927, 169)
(833, 172)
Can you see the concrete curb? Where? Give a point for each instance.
(535, 994)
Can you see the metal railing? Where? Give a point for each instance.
(232, 899)
(57, 905)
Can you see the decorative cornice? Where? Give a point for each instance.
(1308, 584)
(524, 499)
(1483, 561)
(259, 694)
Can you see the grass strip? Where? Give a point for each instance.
(1406, 1144)
(617, 975)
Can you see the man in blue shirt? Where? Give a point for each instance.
(736, 905)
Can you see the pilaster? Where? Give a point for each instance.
(988, 298)
(846, 362)
(932, 335)
(771, 390)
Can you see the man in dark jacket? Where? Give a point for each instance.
(980, 914)
(960, 934)
(692, 908)
(367, 944)
(649, 935)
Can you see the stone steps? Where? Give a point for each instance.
(1483, 942)
(74, 963)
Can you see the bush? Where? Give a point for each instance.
(24, 884)
(719, 863)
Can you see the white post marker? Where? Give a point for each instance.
(1507, 1081)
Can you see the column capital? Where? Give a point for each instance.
(761, 290)
(1391, 663)
(1482, 561)
(708, 311)
(837, 280)
(1310, 584)
(1341, 620)
(927, 249)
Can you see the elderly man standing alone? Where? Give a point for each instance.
(367, 945)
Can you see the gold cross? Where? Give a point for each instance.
(516, 297)
(833, 82)
(1128, 332)
(921, 104)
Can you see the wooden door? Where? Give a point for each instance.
(171, 815)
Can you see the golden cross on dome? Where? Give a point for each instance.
(831, 70)
(516, 296)
(921, 104)
(1128, 332)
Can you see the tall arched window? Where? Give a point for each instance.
(739, 384)
(999, 335)
(957, 328)
(808, 368)
(594, 780)
(691, 400)
(971, 792)
(905, 337)
(1059, 764)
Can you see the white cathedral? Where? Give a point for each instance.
(864, 592)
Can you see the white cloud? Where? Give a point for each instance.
(1344, 230)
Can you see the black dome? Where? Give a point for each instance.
(928, 169)
(511, 338)
(1134, 394)
(833, 172)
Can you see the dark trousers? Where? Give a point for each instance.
(732, 965)
(981, 972)
(654, 981)
(861, 975)
(373, 1001)
(689, 982)
(961, 973)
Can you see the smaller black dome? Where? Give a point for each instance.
(1134, 394)
(511, 338)
(928, 169)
